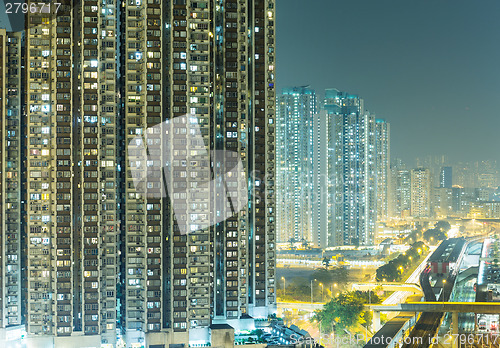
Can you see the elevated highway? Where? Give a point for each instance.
(407, 287)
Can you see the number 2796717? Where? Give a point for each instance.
(24, 7)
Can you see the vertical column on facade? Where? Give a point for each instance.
(269, 191)
(258, 90)
(193, 161)
(177, 13)
(109, 150)
(134, 23)
(10, 178)
(3, 114)
(151, 40)
(225, 144)
(89, 150)
(370, 181)
(62, 154)
(49, 171)
(238, 116)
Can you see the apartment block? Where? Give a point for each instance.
(108, 260)
(421, 193)
(351, 170)
(11, 109)
(296, 109)
(383, 160)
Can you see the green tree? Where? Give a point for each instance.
(340, 313)
(413, 237)
(388, 272)
(394, 269)
(367, 297)
(434, 235)
(345, 311)
(326, 262)
(337, 275)
(297, 289)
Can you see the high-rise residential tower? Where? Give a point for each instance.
(320, 180)
(295, 112)
(351, 169)
(10, 181)
(383, 160)
(421, 193)
(446, 178)
(400, 190)
(72, 174)
(164, 261)
(212, 60)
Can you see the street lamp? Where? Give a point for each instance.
(284, 287)
(312, 290)
(331, 289)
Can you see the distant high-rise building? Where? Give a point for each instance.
(446, 178)
(463, 175)
(420, 193)
(434, 163)
(295, 111)
(442, 201)
(351, 170)
(400, 190)
(11, 197)
(101, 253)
(320, 180)
(383, 161)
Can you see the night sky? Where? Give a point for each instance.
(429, 67)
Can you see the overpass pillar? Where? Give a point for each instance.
(376, 321)
(454, 324)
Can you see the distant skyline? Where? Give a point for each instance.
(430, 67)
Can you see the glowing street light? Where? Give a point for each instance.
(312, 290)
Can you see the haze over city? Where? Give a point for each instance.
(428, 67)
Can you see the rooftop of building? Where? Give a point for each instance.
(448, 251)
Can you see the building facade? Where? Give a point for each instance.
(446, 177)
(156, 262)
(400, 190)
(71, 174)
(11, 213)
(383, 160)
(351, 170)
(295, 112)
(320, 208)
(420, 193)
